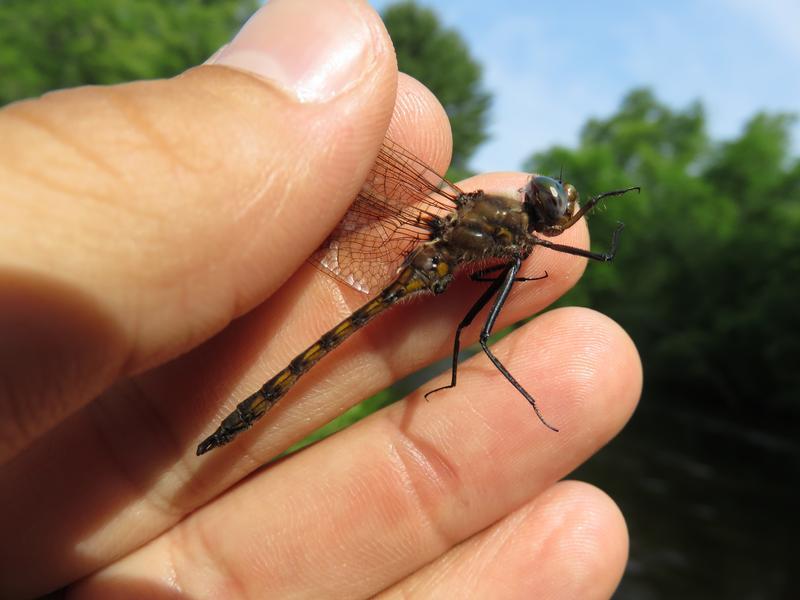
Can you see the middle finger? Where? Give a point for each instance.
(367, 507)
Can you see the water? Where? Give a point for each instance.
(711, 504)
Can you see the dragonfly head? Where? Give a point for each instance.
(550, 204)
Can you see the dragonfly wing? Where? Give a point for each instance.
(391, 216)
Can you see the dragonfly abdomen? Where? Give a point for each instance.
(257, 404)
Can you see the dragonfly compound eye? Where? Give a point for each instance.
(548, 201)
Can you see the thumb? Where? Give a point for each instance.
(138, 220)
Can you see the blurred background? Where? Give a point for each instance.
(693, 101)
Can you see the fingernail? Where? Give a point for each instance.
(312, 49)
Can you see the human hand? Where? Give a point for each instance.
(138, 221)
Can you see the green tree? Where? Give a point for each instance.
(440, 59)
(708, 274)
(52, 45)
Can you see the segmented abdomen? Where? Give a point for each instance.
(257, 404)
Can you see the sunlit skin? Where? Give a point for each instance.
(153, 274)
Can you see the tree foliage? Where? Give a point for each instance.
(708, 275)
(52, 45)
(440, 59)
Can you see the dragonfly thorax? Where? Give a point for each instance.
(488, 226)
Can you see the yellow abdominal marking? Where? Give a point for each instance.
(312, 351)
(343, 326)
(285, 374)
(373, 307)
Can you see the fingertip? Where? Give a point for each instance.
(420, 123)
(601, 374)
(587, 539)
(568, 542)
(311, 49)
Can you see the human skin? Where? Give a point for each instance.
(152, 246)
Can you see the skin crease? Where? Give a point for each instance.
(152, 276)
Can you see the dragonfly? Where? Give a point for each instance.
(406, 234)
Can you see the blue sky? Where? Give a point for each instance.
(551, 65)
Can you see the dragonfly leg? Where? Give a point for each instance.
(481, 275)
(601, 256)
(476, 308)
(503, 290)
(467, 320)
(593, 202)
